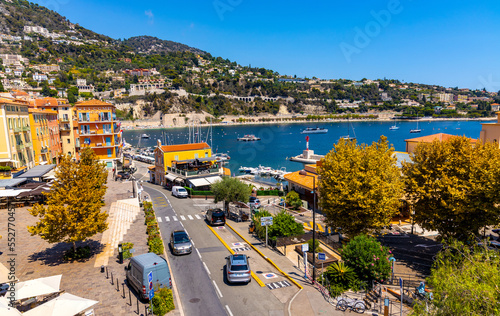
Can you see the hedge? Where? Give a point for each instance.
(270, 192)
(193, 192)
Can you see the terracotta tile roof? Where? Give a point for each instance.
(442, 137)
(185, 147)
(44, 102)
(303, 181)
(94, 102)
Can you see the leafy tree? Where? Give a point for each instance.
(230, 190)
(368, 258)
(284, 225)
(341, 277)
(453, 186)
(73, 211)
(293, 199)
(464, 282)
(2, 89)
(316, 245)
(360, 187)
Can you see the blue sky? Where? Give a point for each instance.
(449, 43)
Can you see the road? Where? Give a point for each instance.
(199, 275)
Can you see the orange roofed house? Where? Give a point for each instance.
(186, 164)
(491, 131)
(45, 131)
(98, 129)
(412, 143)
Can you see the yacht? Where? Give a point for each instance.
(144, 136)
(248, 138)
(314, 130)
(417, 130)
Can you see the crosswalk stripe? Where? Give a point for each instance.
(175, 218)
(190, 217)
(159, 219)
(167, 219)
(320, 228)
(197, 216)
(183, 218)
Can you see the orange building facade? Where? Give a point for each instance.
(98, 129)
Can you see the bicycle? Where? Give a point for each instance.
(354, 305)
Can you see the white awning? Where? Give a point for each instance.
(36, 287)
(213, 179)
(4, 275)
(170, 177)
(5, 310)
(64, 305)
(199, 182)
(11, 193)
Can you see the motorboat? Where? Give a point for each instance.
(248, 138)
(314, 130)
(417, 130)
(145, 136)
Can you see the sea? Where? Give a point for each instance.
(281, 141)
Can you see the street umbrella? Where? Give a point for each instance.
(64, 305)
(6, 310)
(37, 287)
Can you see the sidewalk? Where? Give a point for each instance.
(37, 258)
(309, 301)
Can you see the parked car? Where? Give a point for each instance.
(238, 269)
(215, 216)
(140, 266)
(180, 242)
(254, 202)
(179, 192)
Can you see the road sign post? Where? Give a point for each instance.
(266, 221)
(322, 257)
(392, 259)
(401, 294)
(305, 249)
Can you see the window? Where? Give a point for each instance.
(69, 141)
(108, 141)
(195, 156)
(110, 152)
(176, 157)
(85, 129)
(206, 154)
(37, 134)
(87, 141)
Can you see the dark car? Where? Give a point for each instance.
(215, 217)
(180, 242)
(238, 268)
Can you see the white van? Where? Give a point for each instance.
(179, 192)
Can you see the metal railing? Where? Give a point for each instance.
(193, 173)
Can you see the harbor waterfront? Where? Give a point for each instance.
(281, 141)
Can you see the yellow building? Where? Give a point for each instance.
(16, 148)
(67, 129)
(491, 131)
(179, 159)
(42, 121)
(411, 144)
(98, 129)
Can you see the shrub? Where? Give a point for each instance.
(310, 243)
(293, 200)
(156, 245)
(147, 206)
(80, 253)
(342, 276)
(126, 247)
(163, 302)
(368, 258)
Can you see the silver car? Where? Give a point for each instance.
(238, 269)
(180, 242)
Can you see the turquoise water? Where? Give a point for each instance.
(282, 141)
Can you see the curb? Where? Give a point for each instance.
(232, 252)
(269, 260)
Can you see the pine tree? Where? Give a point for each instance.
(73, 211)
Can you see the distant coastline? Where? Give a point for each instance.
(130, 125)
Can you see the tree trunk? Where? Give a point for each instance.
(226, 207)
(74, 246)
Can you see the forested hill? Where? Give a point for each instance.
(153, 45)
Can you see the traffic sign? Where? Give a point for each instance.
(321, 256)
(305, 247)
(150, 276)
(266, 221)
(151, 294)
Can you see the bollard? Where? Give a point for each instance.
(130, 297)
(112, 282)
(123, 286)
(107, 276)
(117, 285)
(102, 269)
(137, 306)
(146, 310)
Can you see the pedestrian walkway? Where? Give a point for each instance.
(121, 216)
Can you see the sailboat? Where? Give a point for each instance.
(417, 130)
(394, 127)
(348, 137)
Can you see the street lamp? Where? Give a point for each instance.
(304, 173)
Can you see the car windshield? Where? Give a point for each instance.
(180, 238)
(253, 199)
(182, 190)
(239, 267)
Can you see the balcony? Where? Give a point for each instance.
(64, 120)
(18, 129)
(27, 145)
(64, 128)
(26, 129)
(19, 147)
(44, 150)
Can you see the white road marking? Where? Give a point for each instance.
(217, 289)
(229, 311)
(167, 218)
(175, 218)
(206, 268)
(197, 216)
(202, 204)
(183, 218)
(199, 255)
(159, 219)
(190, 217)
